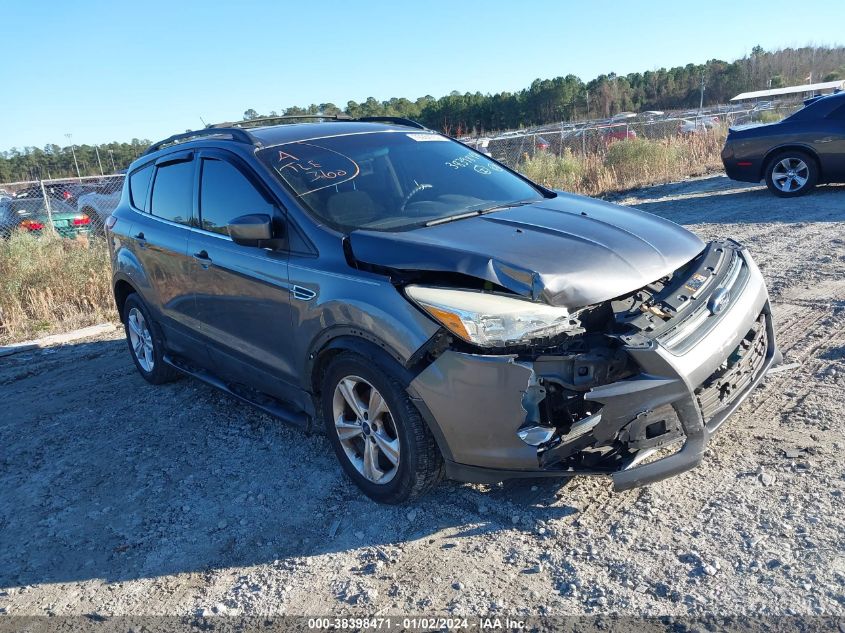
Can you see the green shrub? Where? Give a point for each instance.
(637, 157)
(769, 116)
(560, 172)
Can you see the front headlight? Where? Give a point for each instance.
(492, 320)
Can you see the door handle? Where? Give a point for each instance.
(140, 239)
(303, 294)
(203, 258)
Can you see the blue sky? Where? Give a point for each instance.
(108, 71)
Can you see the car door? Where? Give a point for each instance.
(241, 292)
(159, 240)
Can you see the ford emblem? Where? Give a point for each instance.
(719, 301)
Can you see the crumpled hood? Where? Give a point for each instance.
(568, 251)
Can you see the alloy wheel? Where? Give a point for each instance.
(141, 339)
(366, 429)
(790, 174)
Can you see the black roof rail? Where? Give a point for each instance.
(236, 134)
(283, 117)
(398, 120)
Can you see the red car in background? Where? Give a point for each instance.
(618, 133)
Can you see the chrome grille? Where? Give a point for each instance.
(737, 372)
(698, 323)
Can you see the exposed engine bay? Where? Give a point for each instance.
(594, 402)
(592, 360)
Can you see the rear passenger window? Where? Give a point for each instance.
(225, 193)
(173, 192)
(139, 186)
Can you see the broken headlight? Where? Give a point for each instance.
(492, 320)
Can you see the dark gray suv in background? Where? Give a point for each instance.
(434, 310)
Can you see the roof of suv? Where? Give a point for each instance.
(293, 132)
(267, 136)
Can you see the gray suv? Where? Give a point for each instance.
(434, 311)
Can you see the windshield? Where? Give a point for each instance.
(390, 181)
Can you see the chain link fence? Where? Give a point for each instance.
(595, 136)
(79, 207)
(75, 208)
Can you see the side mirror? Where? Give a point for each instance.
(251, 230)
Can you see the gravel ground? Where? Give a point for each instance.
(117, 497)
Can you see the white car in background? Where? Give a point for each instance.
(697, 125)
(98, 206)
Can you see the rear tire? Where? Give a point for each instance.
(145, 343)
(791, 173)
(379, 436)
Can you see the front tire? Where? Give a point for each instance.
(379, 436)
(145, 343)
(791, 173)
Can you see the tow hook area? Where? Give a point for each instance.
(619, 420)
(533, 432)
(562, 420)
(651, 429)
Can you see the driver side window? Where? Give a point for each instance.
(225, 193)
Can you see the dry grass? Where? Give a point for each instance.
(629, 163)
(49, 284)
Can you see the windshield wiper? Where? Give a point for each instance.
(476, 212)
(450, 218)
(505, 205)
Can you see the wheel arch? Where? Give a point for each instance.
(348, 339)
(128, 270)
(385, 358)
(800, 147)
(122, 289)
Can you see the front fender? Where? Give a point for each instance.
(398, 335)
(361, 306)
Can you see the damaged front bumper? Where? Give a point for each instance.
(688, 381)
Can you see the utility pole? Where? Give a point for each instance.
(73, 151)
(701, 101)
(99, 162)
(111, 155)
(588, 104)
(813, 64)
